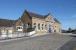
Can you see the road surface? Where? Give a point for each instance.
(46, 42)
(70, 45)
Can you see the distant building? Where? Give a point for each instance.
(6, 27)
(30, 21)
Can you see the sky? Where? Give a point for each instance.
(63, 10)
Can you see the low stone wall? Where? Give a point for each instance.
(17, 34)
(12, 35)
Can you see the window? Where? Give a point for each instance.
(42, 26)
(39, 26)
(55, 26)
(54, 30)
(45, 26)
(25, 26)
(29, 25)
(51, 22)
(19, 28)
(34, 25)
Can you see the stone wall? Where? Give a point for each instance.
(41, 22)
(5, 31)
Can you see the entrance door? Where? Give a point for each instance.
(50, 30)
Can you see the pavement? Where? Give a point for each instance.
(45, 42)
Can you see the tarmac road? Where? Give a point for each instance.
(46, 42)
(70, 45)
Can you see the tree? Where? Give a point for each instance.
(69, 30)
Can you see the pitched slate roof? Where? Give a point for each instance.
(56, 20)
(31, 14)
(6, 23)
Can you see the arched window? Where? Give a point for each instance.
(54, 30)
(42, 26)
(45, 26)
(39, 26)
(25, 26)
(28, 25)
(34, 25)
